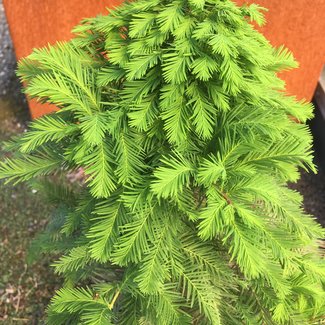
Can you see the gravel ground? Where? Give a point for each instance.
(25, 288)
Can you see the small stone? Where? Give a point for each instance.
(10, 291)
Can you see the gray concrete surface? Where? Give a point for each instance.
(7, 57)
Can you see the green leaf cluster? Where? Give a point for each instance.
(174, 112)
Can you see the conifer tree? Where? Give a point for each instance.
(187, 139)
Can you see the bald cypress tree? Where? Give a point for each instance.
(187, 139)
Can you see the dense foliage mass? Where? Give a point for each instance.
(174, 111)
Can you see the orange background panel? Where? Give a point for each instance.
(35, 23)
(299, 25)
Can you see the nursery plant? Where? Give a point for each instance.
(173, 112)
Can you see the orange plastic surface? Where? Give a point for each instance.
(35, 23)
(300, 26)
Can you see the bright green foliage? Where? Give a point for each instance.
(174, 111)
